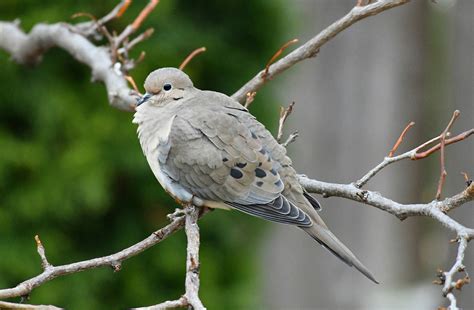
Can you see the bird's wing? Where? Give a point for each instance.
(217, 158)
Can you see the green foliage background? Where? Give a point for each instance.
(71, 169)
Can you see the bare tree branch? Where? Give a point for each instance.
(435, 209)
(458, 266)
(284, 113)
(400, 139)
(191, 56)
(191, 297)
(192, 261)
(42, 253)
(311, 48)
(113, 261)
(415, 153)
(442, 143)
(28, 49)
(11, 305)
(291, 138)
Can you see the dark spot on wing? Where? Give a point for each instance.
(278, 183)
(260, 173)
(260, 164)
(253, 135)
(259, 183)
(241, 165)
(225, 159)
(273, 171)
(236, 173)
(263, 151)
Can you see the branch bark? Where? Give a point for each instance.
(191, 296)
(27, 49)
(11, 305)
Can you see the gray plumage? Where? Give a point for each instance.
(205, 148)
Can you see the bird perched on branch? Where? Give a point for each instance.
(207, 150)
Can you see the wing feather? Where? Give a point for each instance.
(225, 161)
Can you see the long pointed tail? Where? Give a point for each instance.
(327, 239)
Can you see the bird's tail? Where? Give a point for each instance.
(327, 239)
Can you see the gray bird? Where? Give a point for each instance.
(207, 149)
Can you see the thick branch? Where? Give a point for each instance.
(29, 48)
(311, 48)
(433, 209)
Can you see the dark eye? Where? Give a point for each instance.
(167, 87)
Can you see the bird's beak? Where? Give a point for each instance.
(143, 99)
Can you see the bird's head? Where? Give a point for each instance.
(165, 85)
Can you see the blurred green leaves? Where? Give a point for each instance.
(71, 169)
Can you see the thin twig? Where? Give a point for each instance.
(275, 57)
(466, 178)
(458, 138)
(90, 28)
(400, 139)
(42, 253)
(291, 139)
(413, 154)
(250, 98)
(140, 38)
(81, 14)
(123, 7)
(144, 14)
(284, 113)
(191, 56)
(132, 82)
(130, 29)
(116, 12)
(442, 144)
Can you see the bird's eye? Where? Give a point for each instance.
(167, 87)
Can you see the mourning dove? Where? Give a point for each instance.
(207, 150)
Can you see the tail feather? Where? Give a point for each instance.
(316, 205)
(328, 240)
